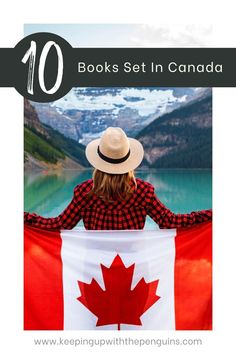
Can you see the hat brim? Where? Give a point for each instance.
(134, 160)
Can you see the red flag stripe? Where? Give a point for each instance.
(193, 278)
(43, 295)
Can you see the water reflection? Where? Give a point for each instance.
(182, 191)
(48, 193)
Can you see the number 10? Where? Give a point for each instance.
(31, 56)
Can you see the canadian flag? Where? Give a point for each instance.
(125, 280)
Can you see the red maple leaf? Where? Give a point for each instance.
(118, 303)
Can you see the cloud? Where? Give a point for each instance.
(172, 35)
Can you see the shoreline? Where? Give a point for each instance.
(82, 170)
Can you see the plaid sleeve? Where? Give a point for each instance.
(66, 220)
(166, 219)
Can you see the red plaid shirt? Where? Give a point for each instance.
(118, 215)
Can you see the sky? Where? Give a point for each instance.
(128, 35)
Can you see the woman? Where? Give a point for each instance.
(114, 199)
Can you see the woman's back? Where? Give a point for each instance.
(119, 214)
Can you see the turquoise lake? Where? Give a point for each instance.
(182, 191)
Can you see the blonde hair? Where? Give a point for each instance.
(111, 187)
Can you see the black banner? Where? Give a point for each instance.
(44, 67)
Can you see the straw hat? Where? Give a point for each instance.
(114, 153)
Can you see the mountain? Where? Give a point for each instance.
(181, 138)
(54, 117)
(31, 119)
(174, 124)
(45, 148)
(84, 113)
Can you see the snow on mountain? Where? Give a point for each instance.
(145, 100)
(84, 113)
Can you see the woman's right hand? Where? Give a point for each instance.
(29, 217)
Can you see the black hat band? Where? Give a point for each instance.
(110, 160)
